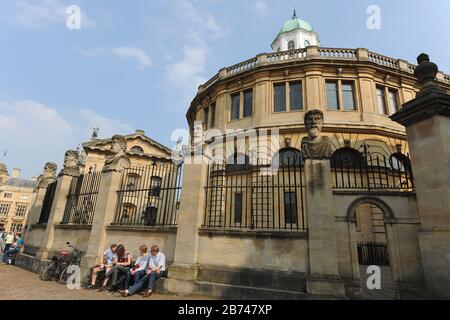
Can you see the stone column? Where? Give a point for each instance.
(427, 122)
(190, 219)
(35, 212)
(323, 277)
(105, 210)
(56, 215)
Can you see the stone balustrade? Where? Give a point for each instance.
(359, 54)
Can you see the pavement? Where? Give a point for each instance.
(19, 284)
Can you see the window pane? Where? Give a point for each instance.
(238, 208)
(348, 96)
(332, 95)
(393, 106)
(380, 101)
(279, 97)
(296, 96)
(290, 207)
(235, 106)
(291, 45)
(206, 116)
(213, 115)
(248, 103)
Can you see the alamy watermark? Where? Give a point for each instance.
(374, 19)
(73, 21)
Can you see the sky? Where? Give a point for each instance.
(137, 64)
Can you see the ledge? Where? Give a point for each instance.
(373, 192)
(38, 226)
(157, 229)
(281, 234)
(74, 226)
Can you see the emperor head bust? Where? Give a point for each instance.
(71, 167)
(118, 160)
(315, 146)
(48, 176)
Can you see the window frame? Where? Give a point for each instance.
(340, 97)
(287, 95)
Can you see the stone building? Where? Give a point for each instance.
(296, 179)
(16, 199)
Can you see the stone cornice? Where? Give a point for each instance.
(430, 103)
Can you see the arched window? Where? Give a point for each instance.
(291, 45)
(307, 43)
(150, 216)
(155, 186)
(132, 181)
(347, 158)
(288, 157)
(128, 213)
(401, 162)
(137, 149)
(238, 162)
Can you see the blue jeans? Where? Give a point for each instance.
(8, 254)
(151, 280)
(137, 276)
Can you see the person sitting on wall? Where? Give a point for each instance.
(121, 266)
(156, 269)
(140, 267)
(104, 266)
(8, 256)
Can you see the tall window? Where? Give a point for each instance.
(279, 97)
(291, 45)
(290, 208)
(295, 96)
(21, 210)
(307, 43)
(393, 105)
(213, 115)
(7, 195)
(381, 101)
(238, 208)
(248, 103)
(4, 208)
(155, 186)
(332, 95)
(235, 106)
(348, 97)
(206, 116)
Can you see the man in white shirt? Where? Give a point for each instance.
(140, 267)
(105, 265)
(156, 268)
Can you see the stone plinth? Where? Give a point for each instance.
(427, 121)
(189, 221)
(323, 277)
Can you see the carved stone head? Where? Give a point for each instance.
(198, 136)
(48, 176)
(71, 162)
(314, 123)
(118, 144)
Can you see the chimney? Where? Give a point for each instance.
(15, 173)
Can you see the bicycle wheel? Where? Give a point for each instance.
(49, 271)
(64, 275)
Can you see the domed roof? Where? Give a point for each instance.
(296, 23)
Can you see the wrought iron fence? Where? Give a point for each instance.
(149, 196)
(369, 171)
(47, 203)
(373, 253)
(256, 197)
(82, 199)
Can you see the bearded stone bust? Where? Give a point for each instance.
(71, 167)
(315, 146)
(117, 161)
(48, 176)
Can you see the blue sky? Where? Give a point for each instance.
(137, 64)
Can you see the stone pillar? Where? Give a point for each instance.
(427, 122)
(323, 277)
(56, 215)
(35, 212)
(105, 210)
(190, 219)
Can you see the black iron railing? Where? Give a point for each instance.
(354, 170)
(149, 196)
(373, 253)
(256, 197)
(47, 203)
(82, 199)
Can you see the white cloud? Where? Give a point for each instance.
(34, 133)
(134, 53)
(261, 8)
(40, 13)
(131, 53)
